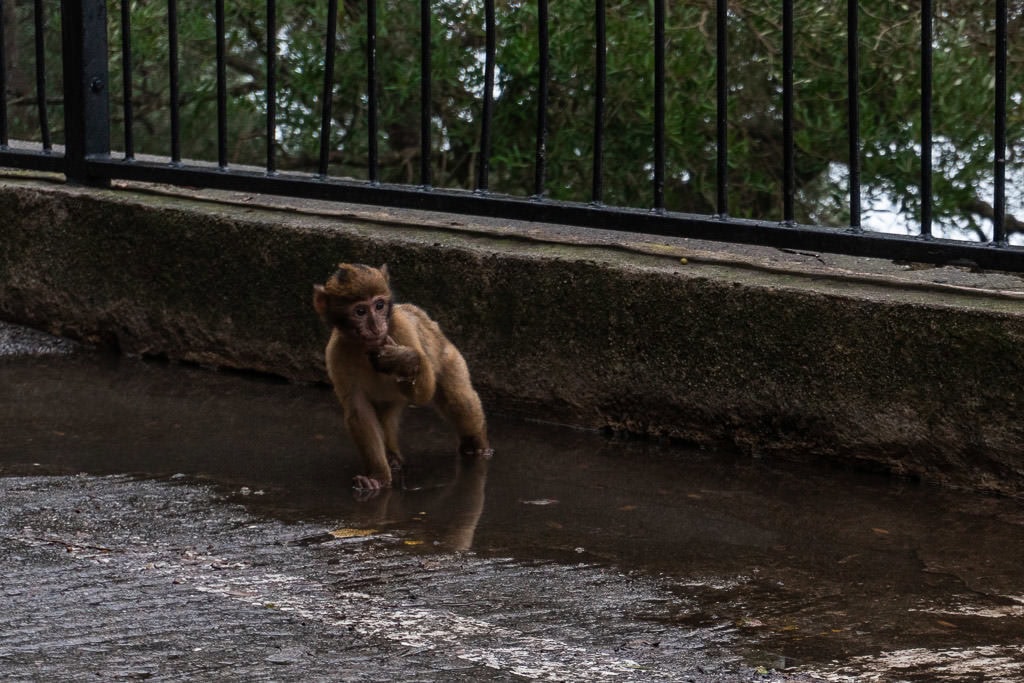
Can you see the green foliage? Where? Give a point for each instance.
(889, 82)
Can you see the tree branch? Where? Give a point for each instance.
(982, 208)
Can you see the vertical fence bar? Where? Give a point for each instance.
(926, 118)
(425, 94)
(853, 107)
(271, 87)
(172, 41)
(601, 78)
(999, 196)
(789, 165)
(126, 79)
(44, 119)
(4, 140)
(222, 88)
(659, 105)
(483, 179)
(326, 103)
(86, 98)
(722, 107)
(371, 88)
(544, 64)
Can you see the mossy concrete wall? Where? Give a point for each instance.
(781, 355)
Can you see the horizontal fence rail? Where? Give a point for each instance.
(86, 156)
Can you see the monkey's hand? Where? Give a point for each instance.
(401, 361)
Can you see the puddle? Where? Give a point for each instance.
(819, 569)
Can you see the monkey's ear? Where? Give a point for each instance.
(384, 271)
(319, 299)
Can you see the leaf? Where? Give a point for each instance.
(540, 501)
(352, 533)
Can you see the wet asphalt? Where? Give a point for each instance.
(166, 522)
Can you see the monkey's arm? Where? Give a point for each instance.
(368, 436)
(351, 377)
(415, 339)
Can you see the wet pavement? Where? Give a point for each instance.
(167, 522)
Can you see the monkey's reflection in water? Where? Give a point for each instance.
(450, 512)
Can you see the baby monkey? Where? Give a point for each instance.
(384, 356)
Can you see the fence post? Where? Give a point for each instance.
(86, 88)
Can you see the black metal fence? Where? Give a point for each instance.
(86, 155)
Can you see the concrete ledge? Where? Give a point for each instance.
(805, 356)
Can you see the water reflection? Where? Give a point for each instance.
(446, 512)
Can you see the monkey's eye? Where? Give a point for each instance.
(359, 311)
(379, 305)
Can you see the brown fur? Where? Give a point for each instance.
(382, 357)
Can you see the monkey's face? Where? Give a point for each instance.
(367, 321)
(356, 301)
